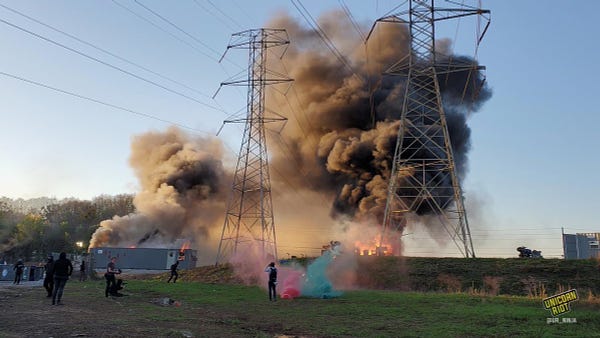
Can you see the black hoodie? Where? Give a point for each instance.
(63, 267)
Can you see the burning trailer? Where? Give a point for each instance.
(143, 258)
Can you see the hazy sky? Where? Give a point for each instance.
(534, 164)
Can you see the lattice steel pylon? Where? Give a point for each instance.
(423, 179)
(249, 217)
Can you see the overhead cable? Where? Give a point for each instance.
(103, 50)
(352, 20)
(215, 58)
(111, 65)
(163, 30)
(326, 40)
(39, 84)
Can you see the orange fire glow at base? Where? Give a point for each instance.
(370, 249)
(185, 246)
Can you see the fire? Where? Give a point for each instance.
(370, 248)
(185, 246)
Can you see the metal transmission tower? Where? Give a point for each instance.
(249, 218)
(423, 179)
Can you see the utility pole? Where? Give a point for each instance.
(249, 220)
(423, 179)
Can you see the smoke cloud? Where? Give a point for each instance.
(330, 164)
(183, 188)
(344, 122)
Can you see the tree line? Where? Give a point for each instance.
(32, 234)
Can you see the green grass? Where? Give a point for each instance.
(235, 310)
(516, 276)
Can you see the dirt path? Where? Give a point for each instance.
(27, 312)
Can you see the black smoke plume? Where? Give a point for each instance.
(344, 123)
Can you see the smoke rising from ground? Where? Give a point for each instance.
(332, 160)
(183, 188)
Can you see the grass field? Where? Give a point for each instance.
(213, 310)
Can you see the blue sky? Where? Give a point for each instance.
(534, 160)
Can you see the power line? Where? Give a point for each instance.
(103, 50)
(352, 20)
(110, 65)
(222, 13)
(186, 33)
(163, 30)
(132, 12)
(394, 9)
(39, 84)
(213, 15)
(321, 33)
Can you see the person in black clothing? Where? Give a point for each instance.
(18, 271)
(62, 270)
(174, 272)
(49, 278)
(82, 271)
(272, 270)
(111, 271)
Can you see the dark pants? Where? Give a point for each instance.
(49, 285)
(110, 282)
(59, 287)
(81, 275)
(18, 276)
(173, 274)
(272, 293)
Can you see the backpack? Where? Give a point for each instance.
(273, 274)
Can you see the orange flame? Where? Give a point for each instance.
(185, 246)
(370, 248)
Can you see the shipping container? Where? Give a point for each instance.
(143, 258)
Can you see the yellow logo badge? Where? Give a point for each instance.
(559, 304)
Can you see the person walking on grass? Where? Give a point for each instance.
(174, 272)
(272, 271)
(62, 270)
(49, 278)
